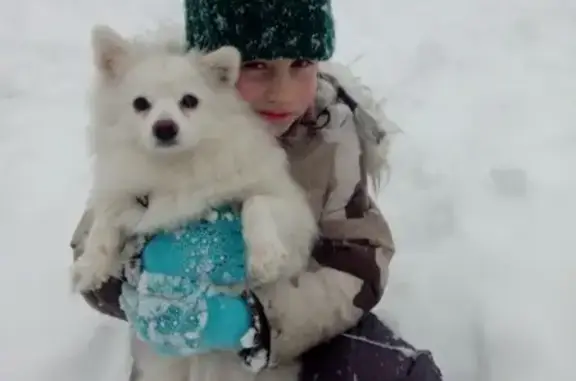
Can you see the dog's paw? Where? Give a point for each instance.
(163, 213)
(148, 224)
(130, 218)
(92, 270)
(266, 257)
(267, 253)
(168, 212)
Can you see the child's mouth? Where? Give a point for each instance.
(275, 116)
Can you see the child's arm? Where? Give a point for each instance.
(353, 254)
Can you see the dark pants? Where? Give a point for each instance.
(368, 352)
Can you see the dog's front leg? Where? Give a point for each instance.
(279, 231)
(100, 259)
(267, 253)
(113, 215)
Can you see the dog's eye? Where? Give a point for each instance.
(141, 104)
(189, 101)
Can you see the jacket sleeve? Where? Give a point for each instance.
(106, 299)
(350, 262)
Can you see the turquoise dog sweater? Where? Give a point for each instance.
(172, 300)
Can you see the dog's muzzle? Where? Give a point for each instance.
(165, 132)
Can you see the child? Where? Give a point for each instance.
(321, 318)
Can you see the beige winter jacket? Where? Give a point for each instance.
(349, 269)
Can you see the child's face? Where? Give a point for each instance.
(279, 90)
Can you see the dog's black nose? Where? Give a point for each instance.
(165, 131)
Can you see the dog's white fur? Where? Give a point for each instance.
(223, 152)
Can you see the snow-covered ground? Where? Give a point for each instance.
(483, 276)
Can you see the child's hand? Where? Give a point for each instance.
(208, 323)
(200, 323)
(206, 251)
(174, 300)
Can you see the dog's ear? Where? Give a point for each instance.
(110, 51)
(223, 64)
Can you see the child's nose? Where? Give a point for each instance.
(280, 89)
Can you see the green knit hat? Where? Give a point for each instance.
(263, 29)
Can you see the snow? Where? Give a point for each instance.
(483, 276)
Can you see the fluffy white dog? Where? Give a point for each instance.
(170, 124)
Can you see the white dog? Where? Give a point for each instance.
(170, 124)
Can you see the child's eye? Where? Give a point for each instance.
(301, 64)
(254, 65)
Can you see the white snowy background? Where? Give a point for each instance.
(485, 273)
